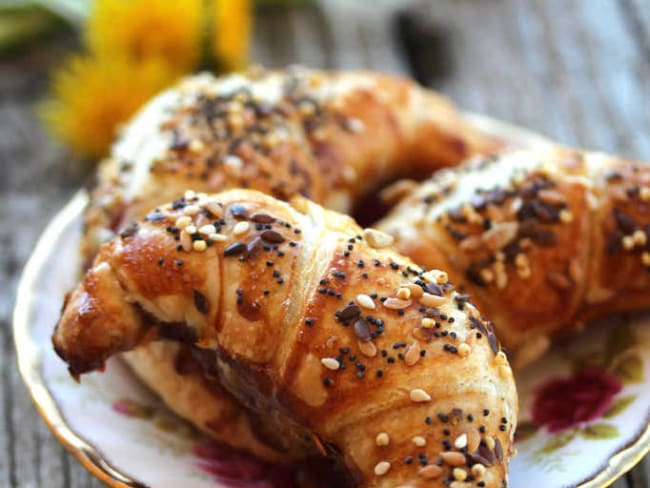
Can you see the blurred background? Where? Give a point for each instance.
(71, 71)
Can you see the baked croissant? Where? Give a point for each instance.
(541, 240)
(329, 136)
(312, 323)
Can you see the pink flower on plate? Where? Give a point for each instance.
(562, 403)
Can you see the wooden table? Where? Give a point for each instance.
(578, 71)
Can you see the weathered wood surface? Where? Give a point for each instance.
(578, 71)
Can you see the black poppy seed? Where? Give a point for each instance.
(180, 262)
(364, 276)
(481, 484)
(408, 460)
(443, 418)
(179, 248)
(502, 428)
(428, 420)
(360, 263)
(346, 254)
(280, 281)
(266, 292)
(327, 382)
(344, 350)
(394, 266)
(486, 412)
(161, 261)
(391, 360)
(269, 263)
(444, 333)
(504, 420)
(360, 375)
(446, 444)
(401, 355)
(384, 353)
(481, 429)
(309, 321)
(470, 417)
(452, 335)
(276, 274)
(379, 373)
(451, 349)
(446, 432)
(240, 300)
(293, 243)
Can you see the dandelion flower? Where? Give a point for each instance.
(231, 32)
(142, 29)
(92, 96)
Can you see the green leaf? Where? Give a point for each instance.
(630, 370)
(525, 430)
(618, 406)
(557, 441)
(600, 432)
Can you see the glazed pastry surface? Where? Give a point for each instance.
(542, 241)
(314, 323)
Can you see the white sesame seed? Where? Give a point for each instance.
(428, 323)
(217, 237)
(189, 194)
(419, 395)
(200, 245)
(639, 237)
(196, 145)
(436, 276)
(382, 468)
(464, 350)
(430, 472)
(461, 441)
(628, 243)
(377, 239)
(644, 193)
(382, 439)
(191, 229)
(330, 363)
(419, 441)
(459, 474)
(429, 300)
(566, 216)
(215, 209)
(489, 441)
(478, 470)
(367, 348)
(241, 228)
(186, 241)
(365, 301)
(403, 293)
(645, 258)
(207, 229)
(191, 210)
(453, 458)
(396, 304)
(182, 222)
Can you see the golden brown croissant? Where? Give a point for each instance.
(329, 136)
(541, 240)
(310, 320)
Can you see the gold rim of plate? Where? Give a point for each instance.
(29, 359)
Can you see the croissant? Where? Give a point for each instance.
(313, 321)
(541, 240)
(329, 136)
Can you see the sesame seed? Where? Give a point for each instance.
(182, 222)
(200, 245)
(565, 216)
(429, 300)
(628, 243)
(191, 210)
(428, 323)
(412, 355)
(478, 470)
(453, 458)
(207, 229)
(190, 229)
(644, 193)
(459, 474)
(436, 276)
(377, 239)
(489, 441)
(367, 348)
(330, 363)
(217, 237)
(639, 237)
(382, 468)
(382, 439)
(403, 294)
(396, 304)
(461, 441)
(241, 228)
(419, 441)
(365, 301)
(430, 472)
(186, 241)
(464, 350)
(645, 258)
(419, 395)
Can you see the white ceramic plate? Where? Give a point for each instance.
(584, 418)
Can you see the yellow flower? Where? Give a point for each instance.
(94, 95)
(231, 32)
(142, 29)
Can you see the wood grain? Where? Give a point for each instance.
(576, 70)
